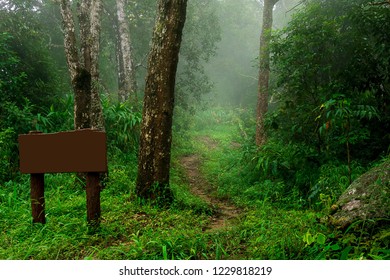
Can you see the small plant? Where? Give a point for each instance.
(318, 238)
(344, 117)
(319, 246)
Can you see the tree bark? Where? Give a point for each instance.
(96, 111)
(127, 86)
(264, 71)
(83, 64)
(156, 130)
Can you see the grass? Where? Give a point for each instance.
(131, 230)
(128, 230)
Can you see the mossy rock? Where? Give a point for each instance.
(368, 197)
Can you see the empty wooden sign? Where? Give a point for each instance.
(71, 151)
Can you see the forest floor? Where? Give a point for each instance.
(224, 211)
(217, 213)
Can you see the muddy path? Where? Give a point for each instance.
(225, 212)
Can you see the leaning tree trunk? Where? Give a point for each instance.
(83, 64)
(156, 130)
(264, 61)
(127, 86)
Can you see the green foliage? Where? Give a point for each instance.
(28, 68)
(122, 124)
(362, 240)
(29, 80)
(268, 191)
(200, 36)
(332, 181)
(330, 75)
(133, 230)
(309, 239)
(11, 78)
(275, 234)
(281, 173)
(7, 154)
(339, 112)
(343, 123)
(122, 170)
(275, 160)
(19, 118)
(57, 117)
(318, 246)
(13, 121)
(332, 66)
(128, 231)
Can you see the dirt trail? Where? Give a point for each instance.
(225, 211)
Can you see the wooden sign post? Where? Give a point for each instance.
(82, 150)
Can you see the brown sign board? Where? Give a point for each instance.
(82, 150)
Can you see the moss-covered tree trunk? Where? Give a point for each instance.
(156, 130)
(264, 61)
(83, 62)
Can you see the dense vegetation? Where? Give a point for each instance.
(332, 92)
(328, 123)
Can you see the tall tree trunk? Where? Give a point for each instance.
(156, 130)
(83, 64)
(264, 61)
(97, 119)
(126, 74)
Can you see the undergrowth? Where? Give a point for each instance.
(277, 221)
(286, 196)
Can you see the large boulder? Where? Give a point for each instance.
(368, 197)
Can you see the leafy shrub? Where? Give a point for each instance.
(58, 117)
(368, 239)
(20, 118)
(13, 121)
(295, 165)
(12, 79)
(331, 83)
(7, 154)
(122, 124)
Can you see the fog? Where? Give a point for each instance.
(234, 69)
